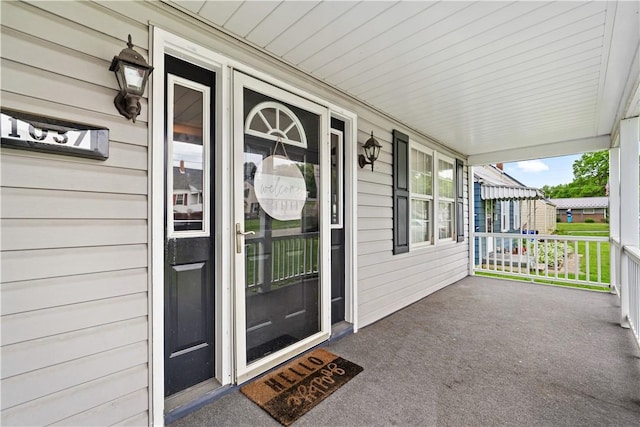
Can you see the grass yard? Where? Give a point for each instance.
(590, 230)
(582, 229)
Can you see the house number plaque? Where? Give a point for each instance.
(30, 132)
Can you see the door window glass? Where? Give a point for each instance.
(281, 213)
(337, 183)
(188, 147)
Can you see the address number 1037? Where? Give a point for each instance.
(30, 132)
(14, 128)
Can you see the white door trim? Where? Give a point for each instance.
(350, 214)
(166, 43)
(163, 42)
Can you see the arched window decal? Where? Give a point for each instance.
(274, 121)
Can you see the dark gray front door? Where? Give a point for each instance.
(189, 226)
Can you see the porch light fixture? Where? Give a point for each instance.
(371, 152)
(132, 73)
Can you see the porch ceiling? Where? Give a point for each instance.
(496, 81)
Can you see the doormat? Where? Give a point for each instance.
(291, 391)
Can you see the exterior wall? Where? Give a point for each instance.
(75, 280)
(544, 216)
(579, 215)
(74, 231)
(389, 282)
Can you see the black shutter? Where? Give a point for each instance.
(459, 200)
(401, 205)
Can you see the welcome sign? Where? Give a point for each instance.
(280, 188)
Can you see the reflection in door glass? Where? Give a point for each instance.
(281, 205)
(188, 159)
(336, 178)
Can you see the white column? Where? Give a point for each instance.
(614, 217)
(472, 221)
(629, 204)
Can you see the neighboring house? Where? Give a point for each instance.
(543, 218)
(504, 205)
(582, 208)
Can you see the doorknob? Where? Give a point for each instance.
(239, 235)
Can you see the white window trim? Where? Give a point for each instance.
(516, 215)
(438, 156)
(275, 133)
(206, 156)
(419, 147)
(504, 215)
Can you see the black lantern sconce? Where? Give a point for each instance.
(371, 152)
(132, 73)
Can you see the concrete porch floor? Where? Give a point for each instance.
(480, 352)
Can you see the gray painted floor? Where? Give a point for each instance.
(480, 352)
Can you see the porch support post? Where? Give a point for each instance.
(614, 219)
(471, 211)
(629, 184)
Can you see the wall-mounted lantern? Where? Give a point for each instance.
(132, 73)
(371, 152)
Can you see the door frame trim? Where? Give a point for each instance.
(164, 43)
(161, 43)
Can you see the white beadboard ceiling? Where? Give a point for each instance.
(496, 81)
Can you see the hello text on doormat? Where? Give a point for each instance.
(292, 390)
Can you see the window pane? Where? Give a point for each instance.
(421, 182)
(445, 179)
(187, 159)
(336, 179)
(420, 221)
(445, 220)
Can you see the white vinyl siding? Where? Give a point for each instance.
(74, 230)
(387, 282)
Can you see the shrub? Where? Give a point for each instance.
(549, 248)
(589, 220)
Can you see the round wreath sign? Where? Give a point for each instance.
(280, 188)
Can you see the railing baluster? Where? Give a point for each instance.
(551, 257)
(566, 259)
(555, 259)
(587, 261)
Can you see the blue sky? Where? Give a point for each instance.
(549, 171)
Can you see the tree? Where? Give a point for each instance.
(590, 177)
(592, 172)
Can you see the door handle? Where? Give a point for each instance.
(239, 236)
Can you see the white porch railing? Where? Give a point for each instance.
(632, 260)
(562, 259)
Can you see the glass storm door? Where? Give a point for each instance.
(189, 287)
(280, 233)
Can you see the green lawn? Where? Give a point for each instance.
(593, 230)
(582, 229)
